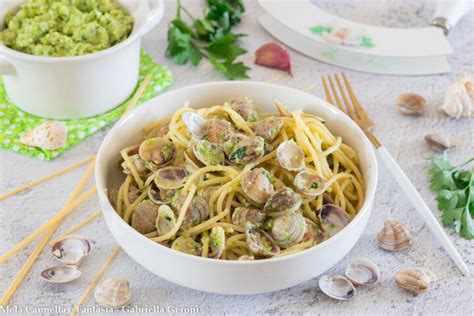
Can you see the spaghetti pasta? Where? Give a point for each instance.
(239, 184)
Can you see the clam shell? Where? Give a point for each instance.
(288, 230)
(157, 151)
(60, 274)
(217, 242)
(260, 242)
(166, 219)
(333, 219)
(48, 135)
(245, 107)
(411, 104)
(187, 245)
(437, 142)
(195, 123)
(144, 217)
(362, 272)
(256, 185)
(114, 293)
(290, 155)
(415, 280)
(170, 178)
(337, 287)
(283, 201)
(70, 249)
(394, 236)
(210, 154)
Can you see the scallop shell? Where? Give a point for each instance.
(394, 236)
(337, 287)
(415, 280)
(48, 135)
(114, 292)
(70, 249)
(459, 98)
(60, 274)
(362, 272)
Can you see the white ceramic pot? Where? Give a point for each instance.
(79, 86)
(231, 277)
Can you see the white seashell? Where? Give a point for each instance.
(48, 135)
(71, 249)
(290, 155)
(114, 292)
(362, 272)
(61, 274)
(337, 287)
(394, 236)
(459, 98)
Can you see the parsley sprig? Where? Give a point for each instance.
(454, 187)
(192, 39)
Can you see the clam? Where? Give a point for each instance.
(210, 154)
(114, 293)
(71, 249)
(282, 201)
(217, 242)
(157, 151)
(362, 272)
(260, 242)
(190, 164)
(242, 215)
(309, 183)
(154, 194)
(411, 104)
(415, 280)
(229, 145)
(166, 219)
(144, 217)
(394, 236)
(171, 177)
(290, 156)
(194, 123)
(133, 193)
(337, 287)
(268, 128)
(217, 130)
(139, 164)
(197, 212)
(245, 107)
(288, 230)
(61, 274)
(247, 150)
(313, 232)
(438, 142)
(187, 245)
(333, 219)
(256, 185)
(207, 193)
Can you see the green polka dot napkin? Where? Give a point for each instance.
(14, 122)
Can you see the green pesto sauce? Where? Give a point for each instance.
(61, 28)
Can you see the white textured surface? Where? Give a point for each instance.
(403, 136)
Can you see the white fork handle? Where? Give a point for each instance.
(423, 209)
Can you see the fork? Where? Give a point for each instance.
(358, 115)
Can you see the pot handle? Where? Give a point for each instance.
(6, 68)
(157, 10)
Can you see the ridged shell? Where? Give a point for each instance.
(256, 185)
(394, 236)
(144, 217)
(415, 280)
(242, 215)
(362, 272)
(114, 293)
(260, 242)
(49, 135)
(283, 201)
(289, 230)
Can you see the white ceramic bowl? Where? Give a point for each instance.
(79, 86)
(231, 277)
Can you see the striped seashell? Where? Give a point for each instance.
(50, 135)
(415, 280)
(394, 236)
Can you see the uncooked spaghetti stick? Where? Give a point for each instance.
(94, 281)
(133, 101)
(46, 178)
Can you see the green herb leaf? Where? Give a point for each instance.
(226, 47)
(231, 70)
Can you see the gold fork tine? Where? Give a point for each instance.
(326, 91)
(336, 97)
(351, 112)
(355, 102)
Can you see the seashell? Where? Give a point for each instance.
(194, 123)
(337, 287)
(411, 104)
(170, 178)
(256, 185)
(309, 183)
(290, 155)
(313, 232)
(260, 242)
(415, 280)
(144, 217)
(157, 151)
(71, 249)
(273, 55)
(438, 142)
(166, 219)
(207, 193)
(459, 98)
(268, 128)
(333, 219)
(282, 202)
(217, 130)
(114, 293)
(139, 164)
(210, 154)
(362, 272)
(61, 274)
(50, 135)
(217, 242)
(246, 108)
(187, 245)
(197, 212)
(242, 215)
(394, 236)
(288, 230)
(248, 149)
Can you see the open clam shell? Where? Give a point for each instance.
(268, 128)
(169, 178)
(290, 156)
(195, 123)
(242, 215)
(309, 183)
(71, 249)
(362, 272)
(283, 201)
(337, 287)
(187, 245)
(260, 242)
(256, 185)
(217, 242)
(288, 230)
(166, 219)
(144, 217)
(210, 154)
(114, 293)
(157, 151)
(61, 274)
(247, 150)
(245, 107)
(333, 219)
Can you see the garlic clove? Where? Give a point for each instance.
(275, 56)
(411, 104)
(438, 142)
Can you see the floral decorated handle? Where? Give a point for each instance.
(449, 12)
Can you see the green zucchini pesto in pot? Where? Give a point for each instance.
(59, 28)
